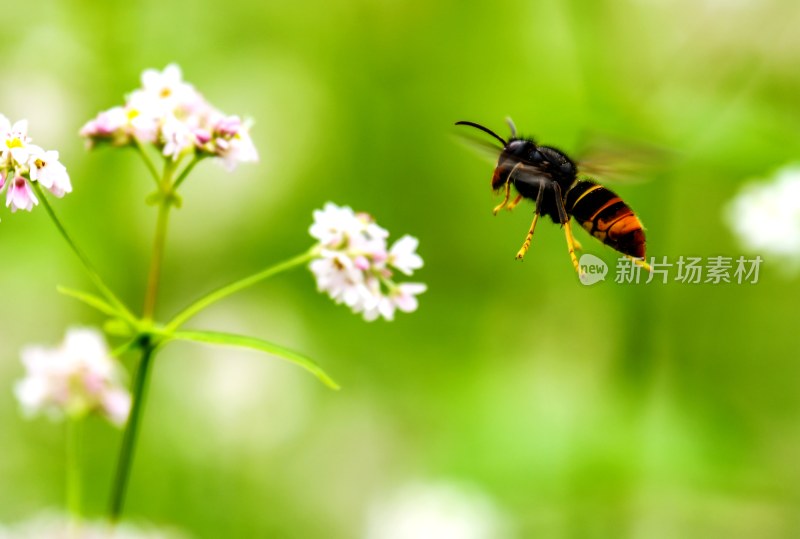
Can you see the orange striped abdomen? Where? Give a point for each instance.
(606, 217)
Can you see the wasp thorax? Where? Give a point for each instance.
(524, 150)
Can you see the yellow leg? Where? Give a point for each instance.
(571, 247)
(505, 200)
(527, 243)
(514, 203)
(641, 263)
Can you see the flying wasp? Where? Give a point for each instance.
(550, 178)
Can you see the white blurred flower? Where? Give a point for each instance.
(54, 526)
(168, 112)
(354, 267)
(230, 140)
(765, 216)
(25, 163)
(436, 511)
(403, 255)
(74, 379)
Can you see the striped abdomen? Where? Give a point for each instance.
(606, 217)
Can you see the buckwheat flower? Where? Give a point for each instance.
(20, 195)
(354, 267)
(74, 379)
(403, 255)
(22, 162)
(230, 140)
(765, 216)
(48, 171)
(179, 138)
(109, 126)
(14, 149)
(170, 114)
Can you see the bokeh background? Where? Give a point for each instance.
(515, 399)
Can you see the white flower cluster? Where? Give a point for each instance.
(766, 215)
(355, 267)
(55, 526)
(437, 510)
(170, 114)
(74, 379)
(22, 162)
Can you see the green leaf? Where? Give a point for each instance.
(91, 300)
(213, 337)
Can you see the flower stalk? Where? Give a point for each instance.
(93, 275)
(236, 286)
(131, 433)
(73, 427)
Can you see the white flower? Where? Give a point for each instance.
(20, 195)
(436, 511)
(48, 171)
(25, 163)
(15, 139)
(178, 137)
(354, 267)
(74, 379)
(766, 215)
(169, 113)
(55, 526)
(403, 255)
(231, 141)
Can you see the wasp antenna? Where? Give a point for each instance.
(485, 130)
(511, 125)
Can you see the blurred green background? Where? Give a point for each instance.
(608, 411)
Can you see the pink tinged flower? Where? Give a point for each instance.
(107, 124)
(74, 379)
(403, 255)
(232, 142)
(2, 179)
(48, 171)
(354, 267)
(116, 404)
(405, 295)
(20, 196)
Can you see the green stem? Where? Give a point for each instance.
(147, 161)
(74, 468)
(96, 279)
(131, 432)
(156, 261)
(162, 222)
(236, 286)
(185, 172)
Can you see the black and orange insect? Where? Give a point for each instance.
(550, 178)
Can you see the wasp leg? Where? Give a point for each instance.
(527, 243)
(571, 247)
(562, 214)
(641, 263)
(508, 189)
(514, 203)
(578, 246)
(505, 200)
